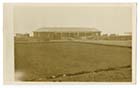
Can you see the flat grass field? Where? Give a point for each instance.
(72, 61)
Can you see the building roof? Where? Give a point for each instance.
(66, 29)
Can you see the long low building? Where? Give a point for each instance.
(58, 33)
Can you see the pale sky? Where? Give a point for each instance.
(108, 19)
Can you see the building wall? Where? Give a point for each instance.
(64, 35)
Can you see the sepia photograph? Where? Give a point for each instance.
(77, 42)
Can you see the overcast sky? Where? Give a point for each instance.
(108, 19)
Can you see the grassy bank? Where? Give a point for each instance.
(43, 60)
